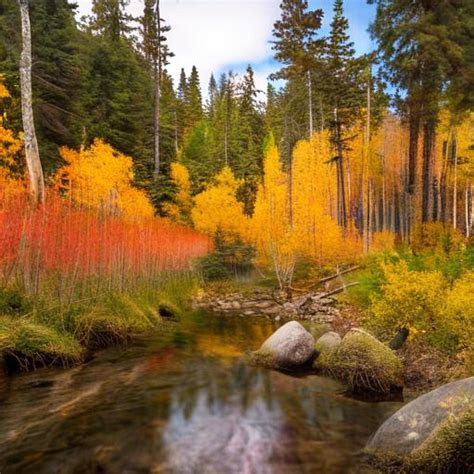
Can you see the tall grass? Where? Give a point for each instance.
(73, 279)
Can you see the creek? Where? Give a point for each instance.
(183, 400)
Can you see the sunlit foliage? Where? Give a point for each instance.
(99, 177)
(217, 208)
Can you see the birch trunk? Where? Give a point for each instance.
(33, 162)
(157, 77)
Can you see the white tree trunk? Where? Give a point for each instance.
(157, 77)
(33, 162)
(310, 105)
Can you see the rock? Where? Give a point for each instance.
(291, 346)
(364, 364)
(433, 433)
(328, 342)
(249, 312)
(263, 304)
(235, 305)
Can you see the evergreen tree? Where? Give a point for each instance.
(344, 91)
(425, 51)
(251, 134)
(109, 18)
(193, 99)
(298, 48)
(156, 53)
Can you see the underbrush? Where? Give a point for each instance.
(35, 332)
(431, 293)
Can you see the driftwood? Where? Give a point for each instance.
(338, 290)
(339, 273)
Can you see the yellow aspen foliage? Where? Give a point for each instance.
(271, 227)
(101, 178)
(314, 191)
(4, 93)
(11, 149)
(180, 209)
(217, 208)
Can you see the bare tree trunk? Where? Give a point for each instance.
(455, 185)
(33, 162)
(157, 77)
(310, 104)
(341, 198)
(365, 177)
(427, 194)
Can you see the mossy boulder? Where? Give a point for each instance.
(328, 342)
(290, 347)
(363, 363)
(433, 433)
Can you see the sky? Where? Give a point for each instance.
(222, 35)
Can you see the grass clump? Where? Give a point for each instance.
(26, 344)
(363, 363)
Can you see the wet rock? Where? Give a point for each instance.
(291, 346)
(364, 364)
(433, 433)
(328, 342)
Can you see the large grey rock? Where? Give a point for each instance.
(328, 342)
(288, 347)
(417, 423)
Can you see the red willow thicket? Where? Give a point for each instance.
(71, 251)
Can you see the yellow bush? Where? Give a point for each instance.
(459, 313)
(437, 237)
(413, 300)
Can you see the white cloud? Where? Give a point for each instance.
(215, 35)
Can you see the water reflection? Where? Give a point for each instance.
(183, 401)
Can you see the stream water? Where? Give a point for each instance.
(183, 401)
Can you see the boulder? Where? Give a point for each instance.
(328, 342)
(433, 433)
(364, 364)
(290, 347)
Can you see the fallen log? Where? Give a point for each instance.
(338, 290)
(339, 273)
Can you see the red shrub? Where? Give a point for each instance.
(65, 246)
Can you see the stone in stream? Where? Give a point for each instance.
(363, 363)
(433, 433)
(290, 347)
(328, 342)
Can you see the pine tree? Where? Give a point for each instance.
(193, 99)
(344, 90)
(425, 53)
(109, 18)
(297, 47)
(156, 53)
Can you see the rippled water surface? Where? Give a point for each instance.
(182, 401)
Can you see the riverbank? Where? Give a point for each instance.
(35, 334)
(425, 367)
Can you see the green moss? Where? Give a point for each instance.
(450, 448)
(363, 363)
(261, 359)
